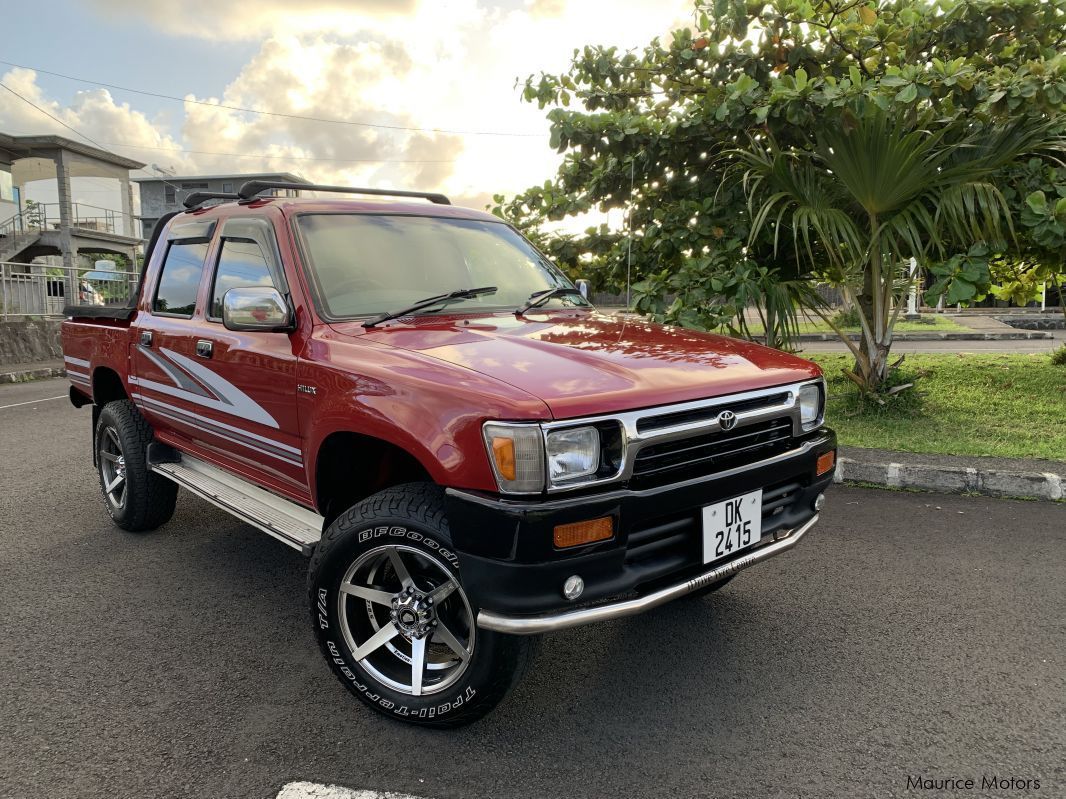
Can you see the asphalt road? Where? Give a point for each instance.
(909, 635)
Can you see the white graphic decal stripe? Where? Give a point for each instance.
(76, 361)
(179, 377)
(207, 402)
(242, 405)
(152, 403)
(262, 451)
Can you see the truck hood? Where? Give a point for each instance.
(581, 363)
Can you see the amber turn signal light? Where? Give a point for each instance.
(577, 533)
(825, 463)
(503, 453)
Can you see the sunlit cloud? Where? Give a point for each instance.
(450, 65)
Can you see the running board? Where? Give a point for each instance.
(286, 521)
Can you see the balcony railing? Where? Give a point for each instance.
(42, 217)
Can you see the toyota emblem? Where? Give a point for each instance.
(727, 420)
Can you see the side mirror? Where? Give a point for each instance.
(584, 287)
(256, 308)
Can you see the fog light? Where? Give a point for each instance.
(573, 587)
(819, 502)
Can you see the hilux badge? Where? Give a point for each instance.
(727, 420)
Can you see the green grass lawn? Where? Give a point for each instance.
(930, 323)
(1004, 405)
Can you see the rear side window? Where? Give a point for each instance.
(180, 279)
(241, 263)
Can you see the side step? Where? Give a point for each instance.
(286, 521)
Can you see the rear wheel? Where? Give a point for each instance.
(137, 498)
(394, 621)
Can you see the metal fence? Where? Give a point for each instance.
(40, 290)
(40, 217)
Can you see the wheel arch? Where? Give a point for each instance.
(350, 466)
(107, 386)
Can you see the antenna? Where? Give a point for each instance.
(629, 239)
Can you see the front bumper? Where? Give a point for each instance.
(513, 573)
(550, 622)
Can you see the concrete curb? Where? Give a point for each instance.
(953, 479)
(1017, 335)
(26, 375)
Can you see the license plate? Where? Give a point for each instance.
(731, 525)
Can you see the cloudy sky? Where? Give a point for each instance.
(444, 68)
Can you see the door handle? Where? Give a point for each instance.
(204, 349)
(146, 338)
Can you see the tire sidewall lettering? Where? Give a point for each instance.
(322, 612)
(463, 697)
(374, 533)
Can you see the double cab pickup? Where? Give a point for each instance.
(470, 454)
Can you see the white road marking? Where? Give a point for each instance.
(316, 790)
(32, 402)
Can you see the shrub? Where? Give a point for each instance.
(847, 317)
(1058, 357)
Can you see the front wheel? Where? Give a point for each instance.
(393, 619)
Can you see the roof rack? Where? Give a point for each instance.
(198, 198)
(253, 187)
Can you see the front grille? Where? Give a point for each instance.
(696, 456)
(670, 544)
(658, 422)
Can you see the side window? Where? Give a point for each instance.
(180, 278)
(241, 263)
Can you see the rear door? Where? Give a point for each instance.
(165, 332)
(231, 395)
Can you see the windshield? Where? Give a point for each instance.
(371, 263)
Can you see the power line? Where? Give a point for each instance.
(288, 157)
(61, 122)
(265, 156)
(329, 120)
(50, 116)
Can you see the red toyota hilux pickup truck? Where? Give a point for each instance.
(471, 455)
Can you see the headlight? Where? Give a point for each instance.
(572, 454)
(811, 401)
(516, 453)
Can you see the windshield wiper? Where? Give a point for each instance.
(429, 302)
(541, 297)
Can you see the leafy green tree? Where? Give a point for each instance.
(33, 215)
(695, 135)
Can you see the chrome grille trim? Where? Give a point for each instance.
(633, 440)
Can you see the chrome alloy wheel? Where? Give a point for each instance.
(406, 619)
(112, 468)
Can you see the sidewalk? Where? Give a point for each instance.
(23, 372)
(975, 329)
(953, 474)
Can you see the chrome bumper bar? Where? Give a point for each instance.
(550, 622)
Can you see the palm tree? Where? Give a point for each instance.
(872, 192)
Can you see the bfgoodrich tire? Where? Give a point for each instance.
(137, 498)
(393, 620)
